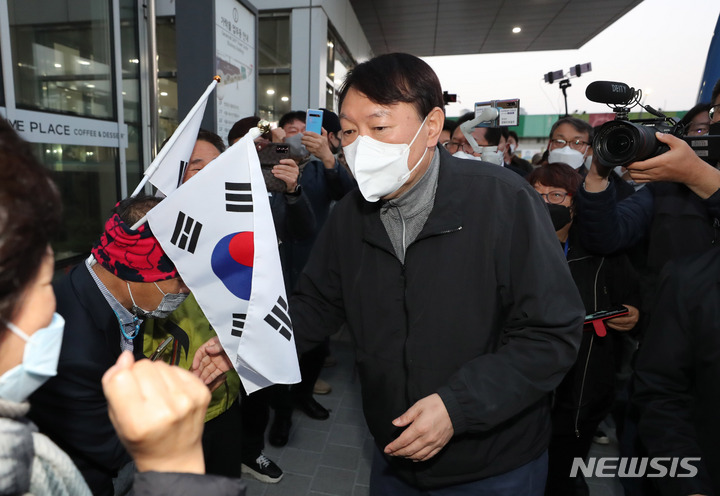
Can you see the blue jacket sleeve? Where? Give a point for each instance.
(606, 226)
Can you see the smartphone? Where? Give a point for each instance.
(606, 314)
(160, 349)
(272, 153)
(313, 121)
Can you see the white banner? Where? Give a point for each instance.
(42, 127)
(218, 230)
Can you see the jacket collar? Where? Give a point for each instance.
(446, 215)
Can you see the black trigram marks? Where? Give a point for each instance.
(181, 172)
(279, 319)
(186, 233)
(238, 197)
(238, 324)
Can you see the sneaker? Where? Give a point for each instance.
(321, 387)
(263, 469)
(600, 437)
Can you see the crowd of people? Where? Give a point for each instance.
(469, 279)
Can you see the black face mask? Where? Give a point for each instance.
(560, 215)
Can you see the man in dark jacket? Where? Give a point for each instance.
(677, 377)
(461, 307)
(104, 302)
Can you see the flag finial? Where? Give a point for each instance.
(216, 78)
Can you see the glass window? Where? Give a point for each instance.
(167, 78)
(132, 113)
(339, 62)
(274, 41)
(274, 66)
(62, 56)
(273, 96)
(87, 178)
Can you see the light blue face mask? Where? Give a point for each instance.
(40, 359)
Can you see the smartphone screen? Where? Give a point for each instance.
(606, 314)
(313, 121)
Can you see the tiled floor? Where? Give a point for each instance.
(332, 457)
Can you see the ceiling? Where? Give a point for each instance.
(453, 27)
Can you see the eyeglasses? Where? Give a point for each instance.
(555, 197)
(574, 144)
(712, 113)
(454, 146)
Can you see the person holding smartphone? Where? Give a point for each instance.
(586, 394)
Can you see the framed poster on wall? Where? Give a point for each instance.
(235, 63)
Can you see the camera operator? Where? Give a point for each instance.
(676, 215)
(682, 197)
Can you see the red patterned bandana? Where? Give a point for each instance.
(132, 255)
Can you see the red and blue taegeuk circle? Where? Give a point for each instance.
(232, 262)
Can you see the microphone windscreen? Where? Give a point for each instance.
(609, 92)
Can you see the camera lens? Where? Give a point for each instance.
(622, 142)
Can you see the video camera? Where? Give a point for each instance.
(623, 141)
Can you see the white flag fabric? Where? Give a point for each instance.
(167, 170)
(219, 232)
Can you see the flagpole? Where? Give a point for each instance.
(164, 151)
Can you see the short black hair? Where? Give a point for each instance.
(694, 112)
(293, 115)
(30, 210)
(212, 138)
(396, 78)
(133, 208)
(715, 92)
(449, 125)
(512, 134)
(330, 121)
(241, 128)
(579, 125)
(492, 134)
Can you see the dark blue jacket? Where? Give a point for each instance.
(71, 408)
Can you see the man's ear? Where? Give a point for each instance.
(434, 123)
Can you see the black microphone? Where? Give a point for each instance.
(609, 92)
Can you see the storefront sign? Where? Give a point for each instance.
(234, 63)
(41, 127)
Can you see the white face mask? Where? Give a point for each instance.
(380, 168)
(489, 154)
(567, 155)
(512, 148)
(465, 155)
(40, 359)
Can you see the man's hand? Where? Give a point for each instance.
(596, 179)
(681, 165)
(210, 363)
(277, 135)
(288, 172)
(158, 412)
(429, 430)
(318, 145)
(625, 322)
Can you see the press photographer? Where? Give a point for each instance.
(676, 214)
